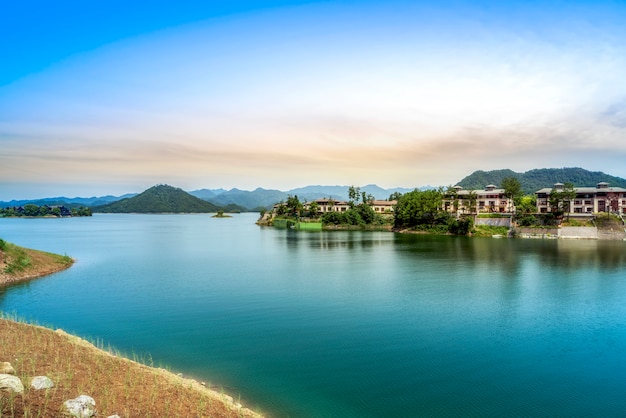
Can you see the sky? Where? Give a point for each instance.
(110, 97)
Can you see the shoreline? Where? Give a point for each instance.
(44, 264)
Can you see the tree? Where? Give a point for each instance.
(31, 210)
(394, 196)
(353, 195)
(294, 206)
(419, 208)
(512, 189)
(470, 202)
(314, 209)
(561, 198)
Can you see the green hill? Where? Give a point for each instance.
(159, 199)
(534, 180)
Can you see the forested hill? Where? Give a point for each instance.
(159, 199)
(534, 180)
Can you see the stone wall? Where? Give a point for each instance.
(578, 232)
(493, 221)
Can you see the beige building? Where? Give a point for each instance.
(489, 200)
(331, 205)
(601, 198)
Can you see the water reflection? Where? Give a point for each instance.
(506, 254)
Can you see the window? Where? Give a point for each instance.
(587, 202)
(577, 202)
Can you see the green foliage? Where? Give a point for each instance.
(32, 210)
(422, 211)
(16, 257)
(294, 206)
(419, 208)
(512, 188)
(537, 220)
(160, 199)
(561, 199)
(487, 230)
(461, 226)
(314, 209)
(526, 205)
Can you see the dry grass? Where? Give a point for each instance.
(119, 386)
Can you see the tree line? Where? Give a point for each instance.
(32, 210)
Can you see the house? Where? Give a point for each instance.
(488, 200)
(601, 198)
(330, 205)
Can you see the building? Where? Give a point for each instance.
(601, 198)
(329, 205)
(489, 200)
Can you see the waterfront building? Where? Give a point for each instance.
(491, 199)
(601, 198)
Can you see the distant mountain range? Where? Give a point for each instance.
(236, 200)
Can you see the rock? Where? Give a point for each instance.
(8, 381)
(6, 368)
(114, 416)
(41, 382)
(82, 407)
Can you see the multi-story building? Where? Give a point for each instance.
(601, 198)
(489, 200)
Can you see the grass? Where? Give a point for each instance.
(578, 222)
(487, 231)
(17, 263)
(119, 385)
(15, 258)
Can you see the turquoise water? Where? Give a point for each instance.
(344, 324)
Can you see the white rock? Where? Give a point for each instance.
(8, 381)
(41, 382)
(6, 368)
(82, 407)
(114, 416)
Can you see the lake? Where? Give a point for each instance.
(343, 323)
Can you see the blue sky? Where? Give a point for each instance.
(106, 97)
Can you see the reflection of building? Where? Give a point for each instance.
(601, 198)
(488, 200)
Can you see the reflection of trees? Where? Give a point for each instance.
(505, 255)
(330, 240)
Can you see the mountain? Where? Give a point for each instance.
(159, 199)
(259, 198)
(206, 194)
(264, 198)
(67, 201)
(534, 180)
(234, 200)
